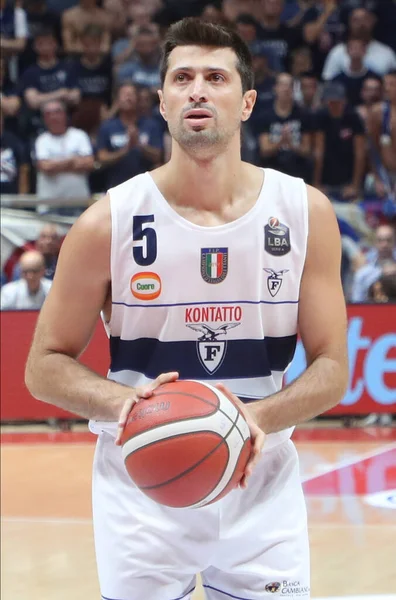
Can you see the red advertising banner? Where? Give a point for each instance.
(372, 361)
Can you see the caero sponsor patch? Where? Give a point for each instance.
(146, 286)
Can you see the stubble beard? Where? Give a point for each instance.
(198, 140)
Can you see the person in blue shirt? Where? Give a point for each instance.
(128, 145)
(143, 67)
(48, 79)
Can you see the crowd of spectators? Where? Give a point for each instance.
(79, 107)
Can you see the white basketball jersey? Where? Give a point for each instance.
(213, 303)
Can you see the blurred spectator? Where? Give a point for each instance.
(383, 254)
(352, 259)
(64, 156)
(13, 33)
(370, 94)
(353, 77)
(14, 167)
(284, 139)
(142, 65)
(301, 61)
(92, 73)
(124, 47)
(48, 244)
(278, 38)
(49, 79)
(383, 132)
(127, 145)
(308, 96)
(339, 146)
(322, 28)
(264, 82)
(76, 19)
(233, 9)
(384, 290)
(212, 13)
(29, 292)
(386, 24)
(10, 103)
(38, 16)
(378, 57)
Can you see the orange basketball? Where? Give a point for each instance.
(187, 445)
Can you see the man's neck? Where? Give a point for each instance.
(207, 185)
(90, 61)
(357, 67)
(128, 117)
(47, 63)
(283, 107)
(270, 22)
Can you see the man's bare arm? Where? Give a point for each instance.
(322, 326)
(68, 319)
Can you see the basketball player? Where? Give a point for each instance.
(228, 261)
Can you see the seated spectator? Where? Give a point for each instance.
(354, 76)
(383, 132)
(14, 164)
(13, 33)
(92, 73)
(38, 16)
(76, 19)
(323, 28)
(352, 260)
(29, 292)
(382, 255)
(284, 139)
(48, 243)
(339, 146)
(378, 57)
(212, 13)
(10, 102)
(384, 289)
(233, 9)
(142, 66)
(124, 47)
(264, 81)
(126, 145)
(48, 79)
(63, 155)
(370, 95)
(309, 97)
(277, 37)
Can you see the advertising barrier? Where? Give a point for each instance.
(372, 362)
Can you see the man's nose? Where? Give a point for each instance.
(199, 90)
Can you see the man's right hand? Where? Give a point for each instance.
(139, 393)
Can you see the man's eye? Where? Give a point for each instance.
(180, 77)
(217, 77)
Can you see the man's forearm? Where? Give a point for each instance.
(318, 389)
(62, 381)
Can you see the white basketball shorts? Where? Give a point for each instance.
(250, 545)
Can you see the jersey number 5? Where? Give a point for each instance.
(144, 241)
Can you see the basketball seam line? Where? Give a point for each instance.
(198, 416)
(223, 441)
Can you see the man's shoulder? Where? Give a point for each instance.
(74, 132)
(12, 287)
(46, 283)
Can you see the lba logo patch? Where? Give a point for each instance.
(274, 280)
(214, 264)
(276, 237)
(146, 286)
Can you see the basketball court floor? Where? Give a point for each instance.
(47, 548)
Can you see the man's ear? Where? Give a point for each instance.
(162, 108)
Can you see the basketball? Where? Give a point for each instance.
(187, 445)
(273, 222)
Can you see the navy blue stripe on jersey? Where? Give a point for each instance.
(201, 303)
(232, 359)
(210, 587)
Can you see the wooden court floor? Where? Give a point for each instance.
(46, 530)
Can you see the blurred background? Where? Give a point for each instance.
(79, 114)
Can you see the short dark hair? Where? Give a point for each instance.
(193, 31)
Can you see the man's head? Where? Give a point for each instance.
(385, 242)
(32, 268)
(91, 39)
(301, 61)
(207, 81)
(55, 117)
(147, 44)
(371, 91)
(309, 87)
(45, 44)
(334, 96)
(246, 27)
(356, 49)
(390, 86)
(127, 97)
(145, 102)
(361, 23)
(48, 241)
(284, 87)
(272, 8)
